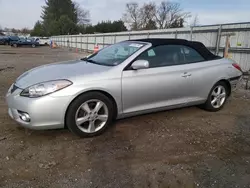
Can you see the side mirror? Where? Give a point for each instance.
(140, 64)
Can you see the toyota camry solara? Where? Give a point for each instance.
(125, 79)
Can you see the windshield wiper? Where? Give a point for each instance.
(90, 61)
(94, 62)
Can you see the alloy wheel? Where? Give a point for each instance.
(218, 96)
(91, 116)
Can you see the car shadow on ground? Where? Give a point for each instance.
(112, 130)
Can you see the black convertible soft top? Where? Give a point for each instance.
(198, 46)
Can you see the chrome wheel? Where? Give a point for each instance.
(91, 116)
(218, 96)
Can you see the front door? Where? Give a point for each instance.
(164, 83)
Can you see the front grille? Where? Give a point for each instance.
(13, 89)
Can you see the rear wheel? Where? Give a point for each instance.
(15, 45)
(90, 114)
(33, 45)
(217, 97)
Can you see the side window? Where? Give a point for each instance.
(164, 55)
(191, 55)
(151, 53)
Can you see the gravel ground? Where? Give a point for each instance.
(179, 148)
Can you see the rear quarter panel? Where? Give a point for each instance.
(206, 74)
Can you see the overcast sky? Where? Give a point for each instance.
(24, 13)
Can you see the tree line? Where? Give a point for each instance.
(13, 30)
(152, 16)
(67, 17)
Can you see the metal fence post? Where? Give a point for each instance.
(81, 43)
(87, 43)
(176, 34)
(218, 40)
(71, 41)
(115, 39)
(191, 33)
(103, 41)
(76, 41)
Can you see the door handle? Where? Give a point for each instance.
(186, 74)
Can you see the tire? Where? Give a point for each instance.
(212, 106)
(15, 45)
(77, 110)
(33, 45)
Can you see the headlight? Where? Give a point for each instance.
(45, 88)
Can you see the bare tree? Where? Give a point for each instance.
(83, 17)
(150, 16)
(195, 21)
(148, 12)
(169, 13)
(162, 14)
(133, 16)
(13, 30)
(25, 31)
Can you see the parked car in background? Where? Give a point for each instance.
(44, 41)
(125, 79)
(3, 40)
(32, 42)
(13, 39)
(6, 40)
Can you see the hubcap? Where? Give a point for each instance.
(218, 96)
(91, 116)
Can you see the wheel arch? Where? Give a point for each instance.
(226, 81)
(107, 94)
(228, 85)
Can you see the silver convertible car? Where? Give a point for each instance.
(125, 79)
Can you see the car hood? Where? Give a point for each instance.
(63, 70)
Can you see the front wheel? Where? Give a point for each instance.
(33, 45)
(15, 45)
(90, 114)
(217, 97)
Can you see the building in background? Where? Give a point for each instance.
(10, 33)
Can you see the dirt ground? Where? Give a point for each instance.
(179, 148)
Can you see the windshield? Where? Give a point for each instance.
(32, 39)
(14, 37)
(115, 54)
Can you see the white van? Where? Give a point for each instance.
(44, 41)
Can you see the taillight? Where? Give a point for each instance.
(237, 66)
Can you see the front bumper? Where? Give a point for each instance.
(45, 112)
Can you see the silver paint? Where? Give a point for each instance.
(134, 91)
